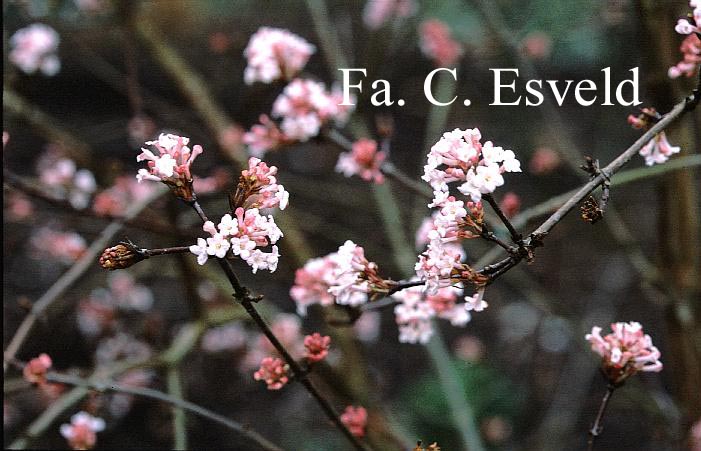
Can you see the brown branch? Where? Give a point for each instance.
(596, 428)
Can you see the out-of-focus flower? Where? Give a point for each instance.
(34, 48)
(510, 204)
(317, 347)
(122, 346)
(115, 200)
(367, 327)
(274, 372)
(355, 419)
(274, 53)
(695, 436)
(691, 52)
(496, 430)
(537, 45)
(18, 207)
(140, 128)
(312, 284)
(377, 12)
(119, 404)
(264, 137)
(288, 330)
(35, 370)
(95, 315)
(230, 337)
(65, 180)
(469, 348)
(437, 43)
(171, 165)
(231, 139)
(81, 433)
(544, 161)
(66, 247)
(692, 24)
(625, 351)
(364, 161)
(219, 42)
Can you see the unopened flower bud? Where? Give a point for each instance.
(121, 256)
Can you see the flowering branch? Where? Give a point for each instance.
(109, 385)
(243, 295)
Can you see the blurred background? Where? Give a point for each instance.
(130, 70)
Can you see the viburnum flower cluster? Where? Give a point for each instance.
(248, 229)
(354, 278)
(81, 433)
(460, 157)
(691, 46)
(364, 161)
(658, 149)
(416, 310)
(274, 372)
(171, 165)
(34, 48)
(303, 108)
(317, 347)
(275, 53)
(625, 351)
(312, 283)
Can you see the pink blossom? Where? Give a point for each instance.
(378, 12)
(476, 302)
(459, 156)
(312, 284)
(171, 165)
(445, 306)
(437, 265)
(350, 286)
(413, 316)
(304, 106)
(625, 351)
(81, 433)
(19, 207)
(230, 337)
(367, 327)
(510, 204)
(274, 53)
(537, 45)
(66, 247)
(115, 200)
(231, 139)
(35, 370)
(274, 372)
(264, 137)
(95, 315)
(544, 161)
(692, 24)
(34, 48)
(438, 44)
(355, 419)
(364, 161)
(317, 347)
(469, 348)
(689, 65)
(658, 150)
(288, 329)
(65, 180)
(262, 184)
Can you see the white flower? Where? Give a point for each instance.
(475, 302)
(200, 249)
(228, 226)
(217, 245)
(242, 246)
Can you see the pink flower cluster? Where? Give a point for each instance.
(364, 161)
(437, 43)
(417, 309)
(625, 351)
(81, 433)
(65, 180)
(115, 200)
(35, 370)
(274, 372)
(172, 163)
(274, 53)
(355, 419)
(66, 247)
(658, 149)
(689, 65)
(248, 228)
(34, 48)
(303, 108)
(692, 24)
(351, 275)
(312, 283)
(317, 347)
(377, 12)
(460, 157)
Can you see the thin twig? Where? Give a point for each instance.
(597, 427)
(515, 236)
(107, 385)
